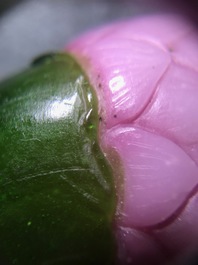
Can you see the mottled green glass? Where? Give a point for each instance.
(57, 197)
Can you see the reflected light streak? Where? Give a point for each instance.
(57, 109)
(117, 83)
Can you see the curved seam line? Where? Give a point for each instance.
(154, 133)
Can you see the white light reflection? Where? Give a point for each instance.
(117, 83)
(57, 109)
(89, 96)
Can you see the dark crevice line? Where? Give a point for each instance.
(131, 123)
(166, 253)
(164, 48)
(158, 133)
(180, 146)
(150, 101)
(172, 217)
(153, 96)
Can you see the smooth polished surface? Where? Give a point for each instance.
(146, 80)
(57, 197)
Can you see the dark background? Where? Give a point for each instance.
(31, 27)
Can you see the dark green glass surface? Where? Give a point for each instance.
(56, 190)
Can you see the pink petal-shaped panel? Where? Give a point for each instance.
(158, 175)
